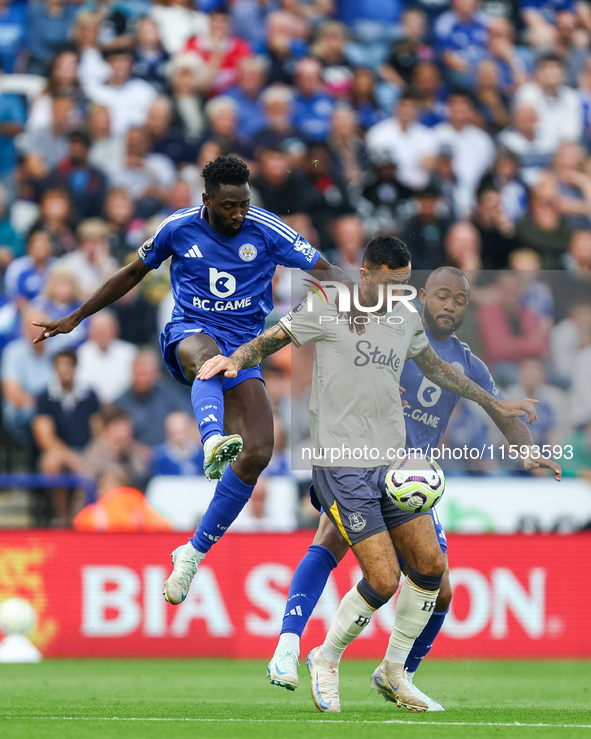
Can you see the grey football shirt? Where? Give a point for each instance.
(355, 404)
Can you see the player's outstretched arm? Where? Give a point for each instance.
(247, 355)
(518, 434)
(444, 375)
(118, 284)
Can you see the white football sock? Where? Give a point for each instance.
(352, 617)
(413, 609)
(289, 641)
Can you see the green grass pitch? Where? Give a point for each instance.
(227, 699)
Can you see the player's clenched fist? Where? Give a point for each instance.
(218, 364)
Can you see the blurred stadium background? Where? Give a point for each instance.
(462, 127)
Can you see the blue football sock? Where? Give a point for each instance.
(424, 641)
(208, 405)
(231, 495)
(307, 584)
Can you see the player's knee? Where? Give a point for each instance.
(255, 458)
(331, 538)
(434, 565)
(386, 584)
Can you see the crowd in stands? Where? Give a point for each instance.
(462, 126)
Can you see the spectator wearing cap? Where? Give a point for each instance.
(472, 149)
(558, 107)
(61, 427)
(407, 142)
(85, 183)
(127, 98)
(181, 453)
(424, 233)
(221, 51)
(92, 262)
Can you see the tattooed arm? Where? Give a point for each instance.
(444, 375)
(518, 434)
(247, 355)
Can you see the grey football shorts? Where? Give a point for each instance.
(356, 502)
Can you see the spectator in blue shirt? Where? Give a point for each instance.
(32, 278)
(49, 25)
(180, 454)
(13, 34)
(12, 119)
(313, 108)
(462, 37)
(251, 80)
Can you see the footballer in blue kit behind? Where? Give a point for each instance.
(427, 413)
(223, 257)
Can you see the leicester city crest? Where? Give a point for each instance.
(247, 252)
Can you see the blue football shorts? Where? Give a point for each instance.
(175, 331)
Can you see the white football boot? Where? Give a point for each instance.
(282, 670)
(324, 678)
(433, 705)
(186, 560)
(390, 680)
(219, 451)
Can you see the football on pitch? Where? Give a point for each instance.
(415, 485)
(17, 616)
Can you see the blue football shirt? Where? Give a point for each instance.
(430, 406)
(225, 281)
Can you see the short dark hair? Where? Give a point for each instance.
(81, 137)
(228, 170)
(386, 250)
(71, 355)
(549, 57)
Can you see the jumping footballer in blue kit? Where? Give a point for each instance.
(223, 258)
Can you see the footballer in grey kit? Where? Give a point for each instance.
(356, 401)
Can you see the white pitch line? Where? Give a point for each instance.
(298, 721)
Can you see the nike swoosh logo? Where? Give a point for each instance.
(323, 704)
(278, 671)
